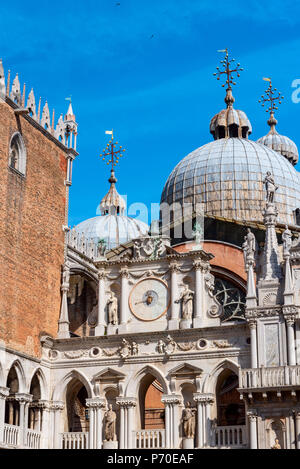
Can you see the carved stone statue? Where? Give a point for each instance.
(134, 348)
(287, 240)
(110, 424)
(66, 275)
(197, 234)
(249, 248)
(137, 246)
(189, 421)
(276, 445)
(101, 247)
(125, 349)
(112, 304)
(270, 187)
(209, 280)
(186, 298)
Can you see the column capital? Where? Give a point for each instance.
(124, 272)
(252, 322)
(174, 267)
(23, 397)
(40, 404)
(204, 397)
(57, 405)
(198, 264)
(171, 399)
(102, 274)
(4, 392)
(126, 401)
(96, 402)
(252, 415)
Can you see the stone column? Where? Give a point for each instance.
(44, 423)
(95, 406)
(198, 312)
(175, 307)
(172, 419)
(56, 425)
(63, 323)
(291, 341)
(297, 436)
(100, 328)
(127, 420)
(253, 429)
(24, 400)
(199, 433)
(124, 301)
(4, 392)
(292, 429)
(253, 335)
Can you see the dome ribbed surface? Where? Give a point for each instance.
(227, 176)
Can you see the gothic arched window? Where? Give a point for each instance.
(17, 153)
(231, 297)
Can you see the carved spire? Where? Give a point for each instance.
(249, 247)
(15, 94)
(45, 121)
(270, 268)
(31, 104)
(2, 79)
(60, 130)
(288, 277)
(70, 126)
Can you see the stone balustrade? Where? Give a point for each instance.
(144, 439)
(271, 377)
(233, 436)
(74, 440)
(11, 435)
(33, 439)
(83, 245)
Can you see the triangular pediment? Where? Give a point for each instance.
(185, 369)
(108, 374)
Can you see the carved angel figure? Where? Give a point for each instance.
(125, 349)
(110, 424)
(112, 305)
(186, 298)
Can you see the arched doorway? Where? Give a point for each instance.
(230, 408)
(12, 407)
(152, 410)
(77, 411)
(35, 417)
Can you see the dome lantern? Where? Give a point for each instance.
(273, 139)
(229, 122)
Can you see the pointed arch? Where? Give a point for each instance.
(210, 382)
(16, 364)
(61, 386)
(42, 380)
(132, 386)
(17, 153)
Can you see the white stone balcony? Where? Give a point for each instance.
(149, 439)
(231, 437)
(74, 440)
(12, 437)
(286, 377)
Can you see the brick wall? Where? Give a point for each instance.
(32, 210)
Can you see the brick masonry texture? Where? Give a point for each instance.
(32, 211)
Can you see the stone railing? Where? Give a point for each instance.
(143, 439)
(33, 439)
(11, 435)
(272, 377)
(230, 436)
(74, 440)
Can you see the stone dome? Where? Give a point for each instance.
(281, 144)
(113, 226)
(227, 175)
(114, 229)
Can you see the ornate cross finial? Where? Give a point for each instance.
(112, 152)
(227, 70)
(272, 96)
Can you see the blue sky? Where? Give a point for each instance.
(144, 68)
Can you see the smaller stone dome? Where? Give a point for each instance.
(112, 203)
(280, 143)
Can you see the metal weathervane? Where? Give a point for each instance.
(272, 96)
(226, 69)
(113, 151)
